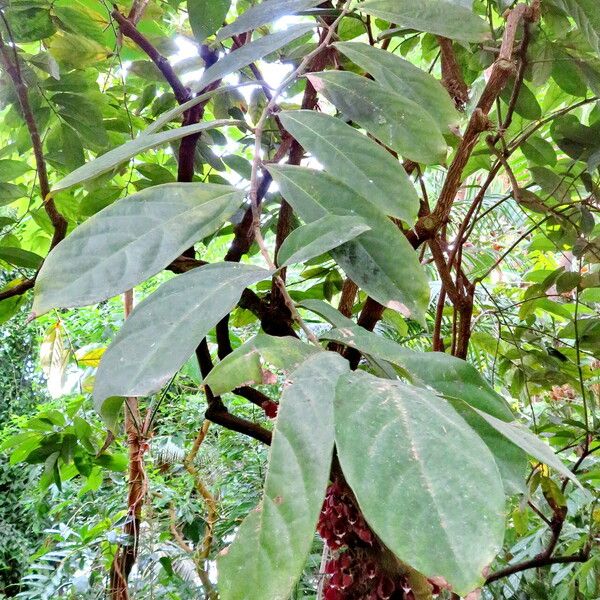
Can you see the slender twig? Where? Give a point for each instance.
(13, 69)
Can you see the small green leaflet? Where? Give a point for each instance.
(441, 17)
(356, 160)
(20, 258)
(399, 284)
(11, 169)
(393, 119)
(319, 237)
(263, 13)
(585, 14)
(243, 365)
(206, 16)
(404, 78)
(113, 158)
(248, 53)
(142, 357)
(129, 241)
(424, 480)
(274, 541)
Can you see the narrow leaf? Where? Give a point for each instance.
(399, 284)
(356, 160)
(263, 13)
(129, 241)
(274, 541)
(393, 119)
(318, 237)
(526, 440)
(248, 53)
(426, 483)
(142, 357)
(441, 17)
(113, 158)
(404, 78)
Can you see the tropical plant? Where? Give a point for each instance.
(363, 233)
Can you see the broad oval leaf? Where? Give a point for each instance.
(248, 53)
(455, 379)
(129, 241)
(356, 160)
(441, 17)
(425, 482)
(319, 237)
(399, 284)
(263, 13)
(393, 119)
(113, 158)
(206, 16)
(142, 356)
(243, 365)
(404, 78)
(268, 555)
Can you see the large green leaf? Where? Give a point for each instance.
(393, 119)
(404, 78)
(143, 355)
(113, 158)
(400, 283)
(263, 13)
(446, 374)
(319, 237)
(356, 160)
(585, 13)
(129, 241)
(442, 17)
(272, 545)
(243, 365)
(248, 53)
(206, 16)
(425, 482)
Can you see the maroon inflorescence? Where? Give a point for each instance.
(351, 573)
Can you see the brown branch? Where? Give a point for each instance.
(126, 554)
(13, 69)
(536, 563)
(128, 29)
(452, 77)
(502, 70)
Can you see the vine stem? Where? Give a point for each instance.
(256, 163)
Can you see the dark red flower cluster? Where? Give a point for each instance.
(351, 574)
(270, 408)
